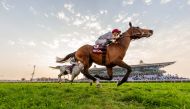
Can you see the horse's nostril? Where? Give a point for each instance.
(151, 31)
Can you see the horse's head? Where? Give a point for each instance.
(137, 32)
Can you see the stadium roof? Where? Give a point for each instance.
(160, 65)
(163, 64)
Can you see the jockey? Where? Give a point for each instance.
(108, 38)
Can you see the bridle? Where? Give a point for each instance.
(133, 33)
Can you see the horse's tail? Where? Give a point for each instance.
(57, 67)
(62, 60)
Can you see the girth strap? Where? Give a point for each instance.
(104, 55)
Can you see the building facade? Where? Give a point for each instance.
(141, 71)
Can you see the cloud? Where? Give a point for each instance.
(61, 16)
(87, 21)
(22, 43)
(65, 35)
(188, 2)
(171, 40)
(69, 7)
(165, 1)
(10, 42)
(125, 18)
(72, 17)
(46, 15)
(79, 19)
(33, 10)
(103, 11)
(120, 17)
(5, 5)
(78, 22)
(32, 44)
(94, 25)
(44, 27)
(148, 2)
(53, 45)
(78, 15)
(127, 2)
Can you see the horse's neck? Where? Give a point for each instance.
(124, 43)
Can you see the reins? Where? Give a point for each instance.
(122, 36)
(131, 36)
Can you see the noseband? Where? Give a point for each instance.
(134, 33)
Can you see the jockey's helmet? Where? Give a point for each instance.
(116, 30)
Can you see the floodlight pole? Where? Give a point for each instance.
(33, 72)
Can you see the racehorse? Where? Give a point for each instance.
(66, 69)
(114, 55)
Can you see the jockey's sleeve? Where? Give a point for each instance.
(106, 36)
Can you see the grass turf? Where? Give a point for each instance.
(84, 96)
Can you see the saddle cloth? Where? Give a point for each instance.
(99, 49)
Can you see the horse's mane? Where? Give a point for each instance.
(123, 35)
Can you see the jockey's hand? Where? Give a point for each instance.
(109, 41)
(113, 40)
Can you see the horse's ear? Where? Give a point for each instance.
(130, 24)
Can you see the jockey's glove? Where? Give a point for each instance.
(109, 42)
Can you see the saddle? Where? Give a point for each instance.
(99, 49)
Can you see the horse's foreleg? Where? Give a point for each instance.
(124, 65)
(109, 72)
(85, 73)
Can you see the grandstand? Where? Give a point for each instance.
(140, 72)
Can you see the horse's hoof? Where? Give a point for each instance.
(119, 83)
(98, 86)
(90, 83)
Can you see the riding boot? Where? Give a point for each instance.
(104, 47)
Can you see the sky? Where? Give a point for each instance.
(34, 32)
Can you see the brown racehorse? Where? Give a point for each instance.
(114, 56)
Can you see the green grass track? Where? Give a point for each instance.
(84, 96)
